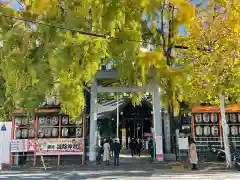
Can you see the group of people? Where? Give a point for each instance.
(136, 146)
(111, 148)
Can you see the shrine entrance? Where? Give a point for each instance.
(137, 121)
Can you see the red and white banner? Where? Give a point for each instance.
(54, 146)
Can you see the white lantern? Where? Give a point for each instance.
(233, 117)
(41, 133)
(214, 130)
(78, 132)
(18, 133)
(57, 101)
(206, 130)
(18, 121)
(54, 120)
(205, 117)
(234, 130)
(79, 121)
(48, 120)
(49, 100)
(31, 121)
(24, 133)
(65, 120)
(54, 132)
(227, 117)
(71, 121)
(199, 130)
(198, 118)
(64, 132)
(31, 132)
(24, 121)
(47, 132)
(41, 120)
(214, 117)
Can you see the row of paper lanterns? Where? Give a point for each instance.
(45, 132)
(213, 130)
(213, 117)
(53, 120)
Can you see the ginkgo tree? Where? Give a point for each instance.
(59, 45)
(213, 43)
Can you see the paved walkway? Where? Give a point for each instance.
(118, 175)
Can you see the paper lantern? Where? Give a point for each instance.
(79, 121)
(54, 120)
(24, 133)
(206, 130)
(64, 132)
(41, 133)
(31, 121)
(24, 121)
(199, 130)
(18, 120)
(198, 118)
(18, 133)
(78, 132)
(234, 130)
(54, 132)
(71, 121)
(47, 132)
(227, 117)
(214, 118)
(206, 117)
(214, 130)
(31, 132)
(233, 117)
(49, 100)
(57, 102)
(65, 120)
(48, 120)
(41, 120)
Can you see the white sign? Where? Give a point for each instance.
(19, 145)
(183, 143)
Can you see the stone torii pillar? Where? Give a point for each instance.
(157, 117)
(93, 123)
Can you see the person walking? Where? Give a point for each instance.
(150, 147)
(133, 147)
(139, 147)
(193, 158)
(110, 141)
(116, 147)
(106, 152)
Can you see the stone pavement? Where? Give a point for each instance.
(117, 175)
(133, 164)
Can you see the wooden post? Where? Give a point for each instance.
(59, 136)
(83, 137)
(193, 126)
(12, 137)
(35, 137)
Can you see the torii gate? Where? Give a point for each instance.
(153, 89)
